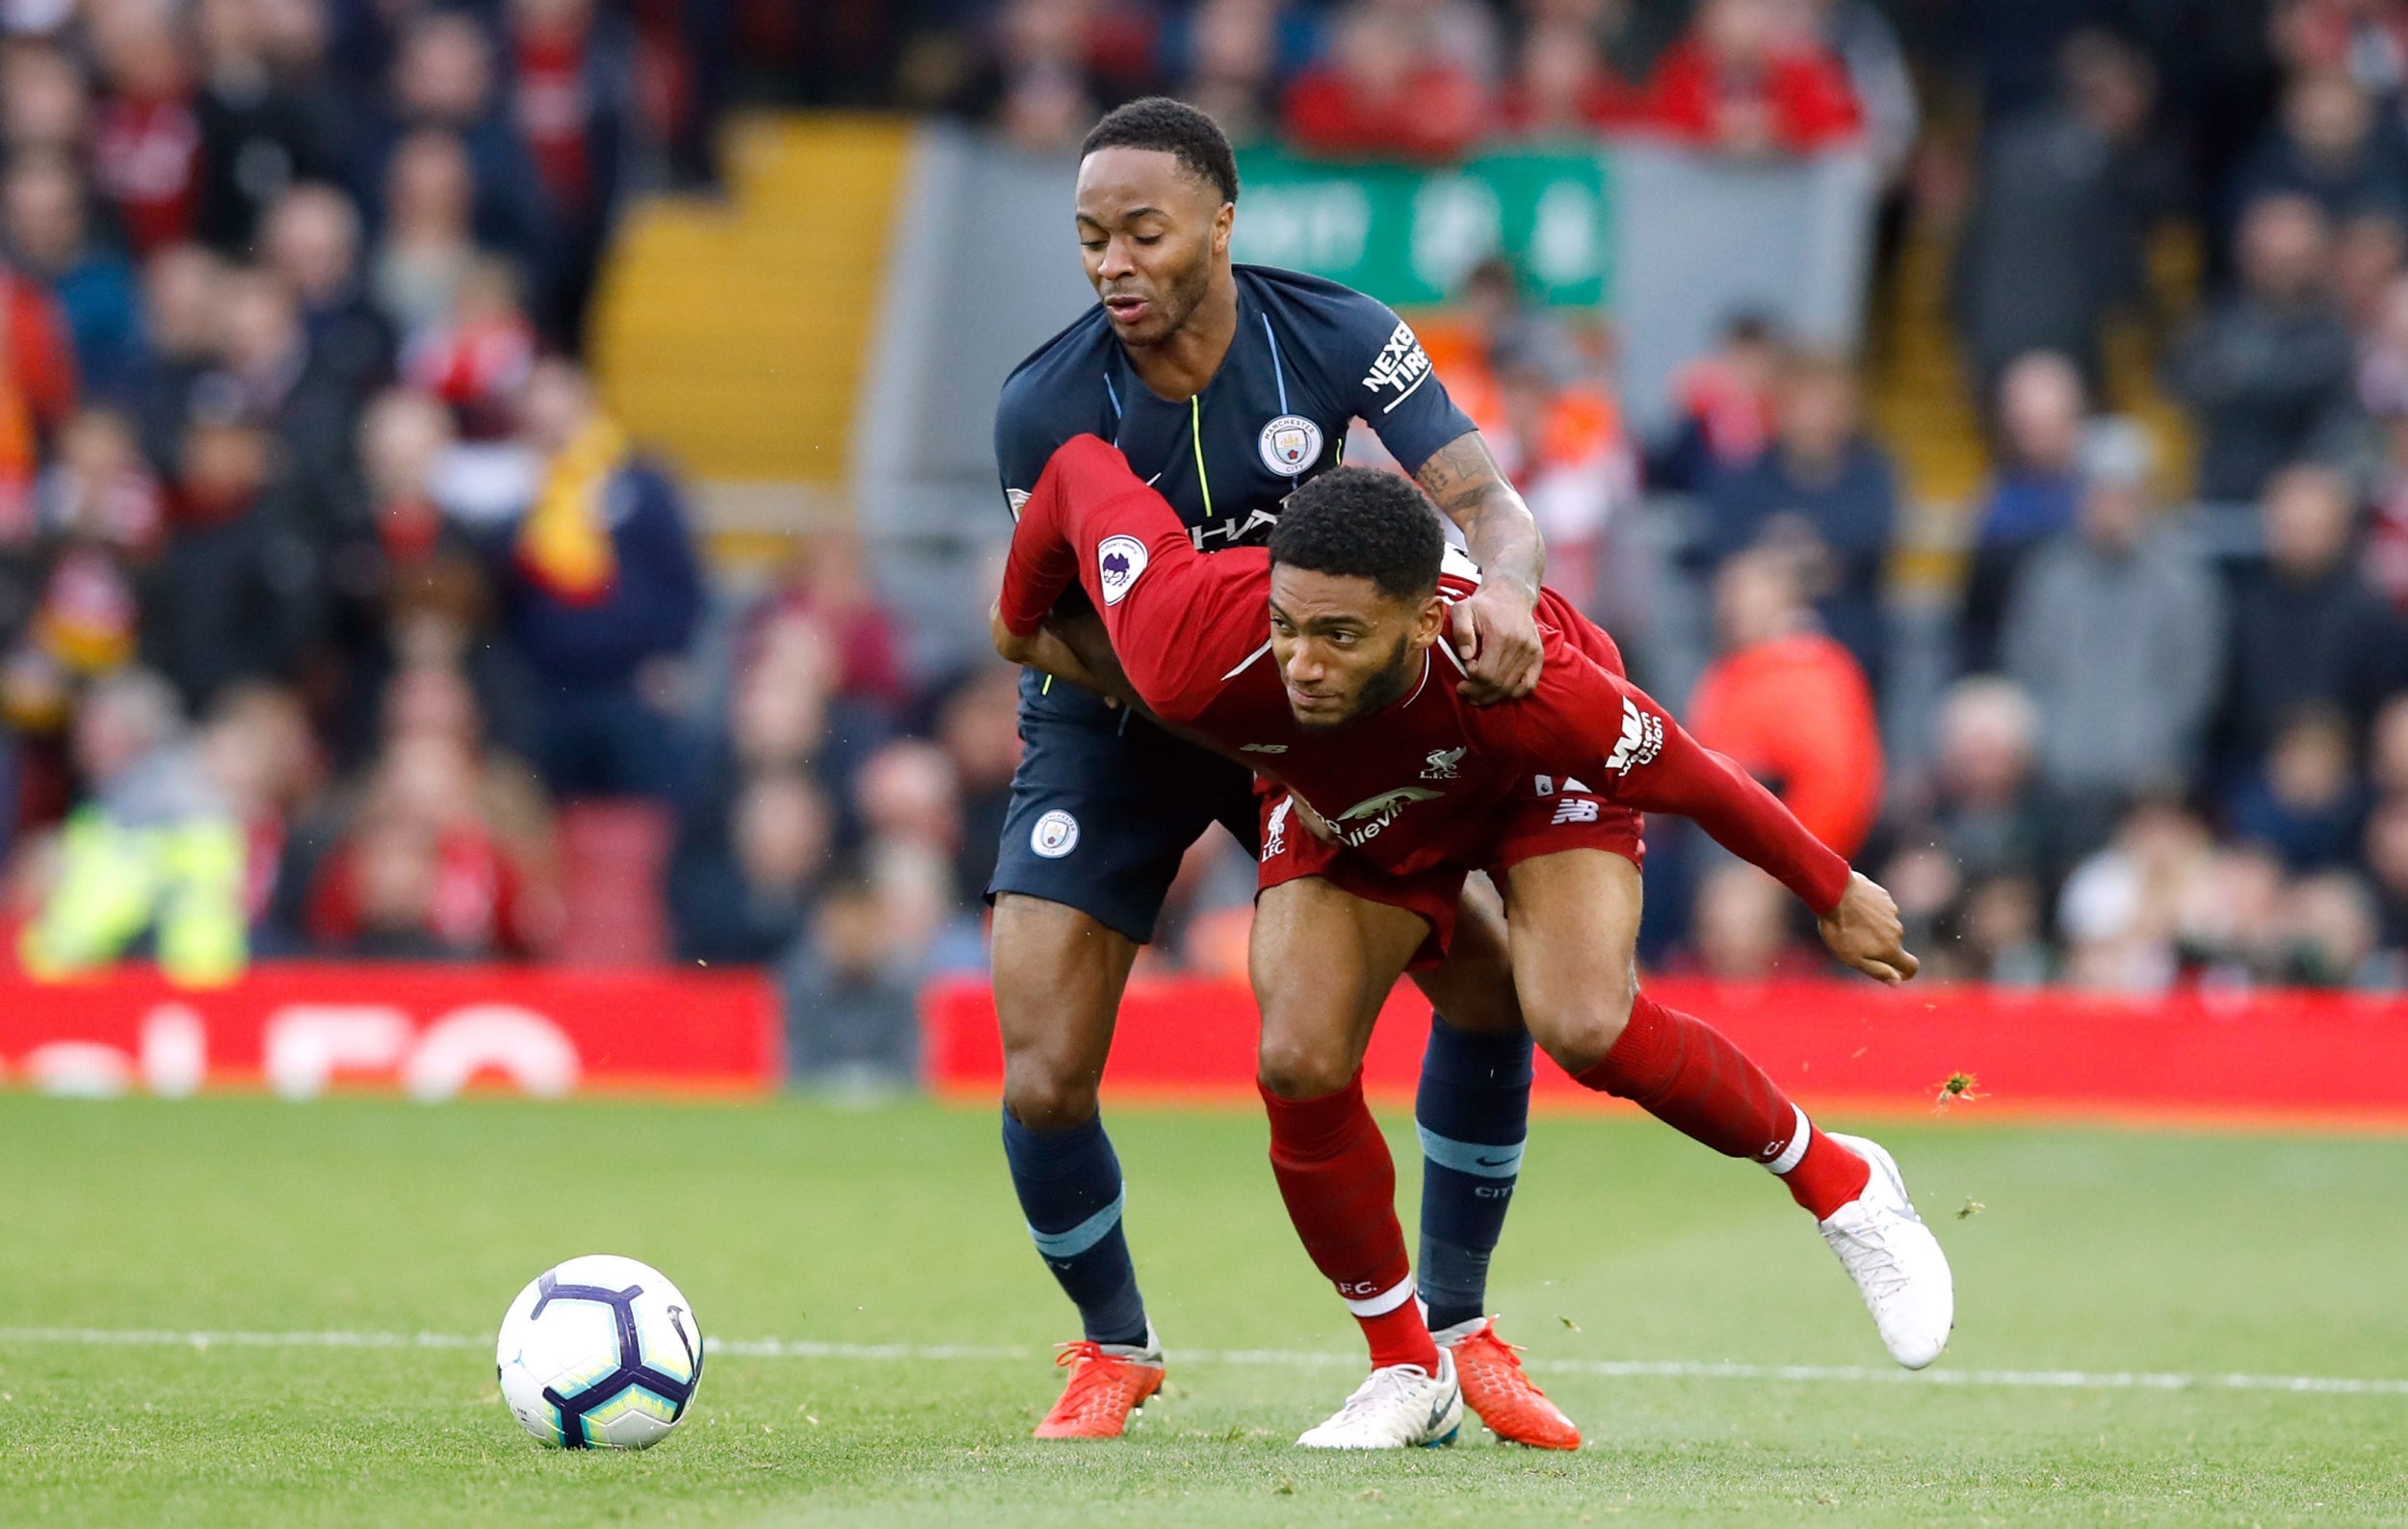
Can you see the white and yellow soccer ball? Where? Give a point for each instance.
(599, 1353)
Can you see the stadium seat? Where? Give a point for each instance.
(614, 858)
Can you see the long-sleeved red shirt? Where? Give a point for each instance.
(1423, 781)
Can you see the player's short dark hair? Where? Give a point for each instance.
(1171, 128)
(1359, 523)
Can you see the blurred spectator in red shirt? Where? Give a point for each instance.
(1562, 88)
(828, 582)
(1386, 92)
(1789, 704)
(1562, 444)
(478, 356)
(1722, 405)
(38, 389)
(1752, 78)
(145, 140)
(450, 854)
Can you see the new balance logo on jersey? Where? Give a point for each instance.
(1642, 739)
(1576, 809)
(1400, 368)
(1441, 764)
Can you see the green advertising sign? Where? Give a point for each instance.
(1409, 236)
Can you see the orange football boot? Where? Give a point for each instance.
(1108, 1384)
(1496, 1388)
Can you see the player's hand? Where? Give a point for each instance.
(1497, 638)
(1865, 932)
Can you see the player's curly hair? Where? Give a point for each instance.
(1171, 127)
(1359, 523)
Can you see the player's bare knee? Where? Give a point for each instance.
(1579, 1032)
(1044, 1094)
(1293, 1067)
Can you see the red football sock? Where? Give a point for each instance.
(1340, 1184)
(1827, 1176)
(1689, 1076)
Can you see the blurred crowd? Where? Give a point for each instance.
(1431, 79)
(338, 617)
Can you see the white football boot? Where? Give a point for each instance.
(1400, 1406)
(1894, 1260)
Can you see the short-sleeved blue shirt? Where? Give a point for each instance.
(1309, 357)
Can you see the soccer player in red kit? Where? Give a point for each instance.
(1395, 787)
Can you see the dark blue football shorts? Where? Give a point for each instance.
(1104, 805)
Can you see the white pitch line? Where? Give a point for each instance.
(1610, 1369)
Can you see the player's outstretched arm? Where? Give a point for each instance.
(1649, 761)
(1494, 631)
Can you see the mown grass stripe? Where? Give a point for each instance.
(1611, 1369)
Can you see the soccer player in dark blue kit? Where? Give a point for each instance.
(1227, 386)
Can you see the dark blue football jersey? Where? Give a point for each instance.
(1309, 357)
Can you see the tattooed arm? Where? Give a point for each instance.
(1493, 629)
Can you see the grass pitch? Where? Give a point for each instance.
(2095, 1251)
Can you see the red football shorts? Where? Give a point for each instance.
(1532, 826)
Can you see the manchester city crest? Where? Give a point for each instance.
(1290, 444)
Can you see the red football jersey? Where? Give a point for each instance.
(1423, 781)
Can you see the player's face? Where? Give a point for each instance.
(1150, 233)
(1345, 648)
